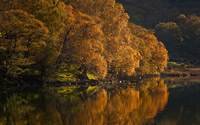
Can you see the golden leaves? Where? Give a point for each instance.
(101, 27)
(23, 37)
(154, 54)
(23, 28)
(83, 38)
(93, 34)
(20, 23)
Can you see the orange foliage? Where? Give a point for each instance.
(82, 42)
(23, 36)
(154, 54)
(120, 57)
(94, 35)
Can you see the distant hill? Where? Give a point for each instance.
(176, 3)
(148, 13)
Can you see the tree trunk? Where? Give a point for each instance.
(64, 45)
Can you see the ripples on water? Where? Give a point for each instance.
(146, 103)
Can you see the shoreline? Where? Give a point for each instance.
(176, 73)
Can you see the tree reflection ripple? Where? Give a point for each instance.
(75, 105)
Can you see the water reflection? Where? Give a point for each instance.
(75, 105)
(183, 106)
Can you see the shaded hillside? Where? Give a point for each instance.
(148, 13)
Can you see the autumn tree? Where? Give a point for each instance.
(154, 54)
(82, 43)
(22, 37)
(52, 14)
(114, 25)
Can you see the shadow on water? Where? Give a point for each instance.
(183, 104)
(85, 105)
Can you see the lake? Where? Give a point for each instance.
(151, 101)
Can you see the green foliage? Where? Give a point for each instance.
(66, 89)
(171, 35)
(175, 63)
(92, 76)
(68, 72)
(137, 19)
(92, 89)
(181, 38)
(67, 77)
(170, 31)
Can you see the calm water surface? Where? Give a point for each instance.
(153, 101)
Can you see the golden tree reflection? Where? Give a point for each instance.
(155, 97)
(70, 106)
(120, 104)
(91, 112)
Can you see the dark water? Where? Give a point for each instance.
(151, 102)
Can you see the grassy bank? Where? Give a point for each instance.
(180, 70)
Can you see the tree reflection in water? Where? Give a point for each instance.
(73, 105)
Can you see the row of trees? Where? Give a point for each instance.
(181, 38)
(56, 40)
